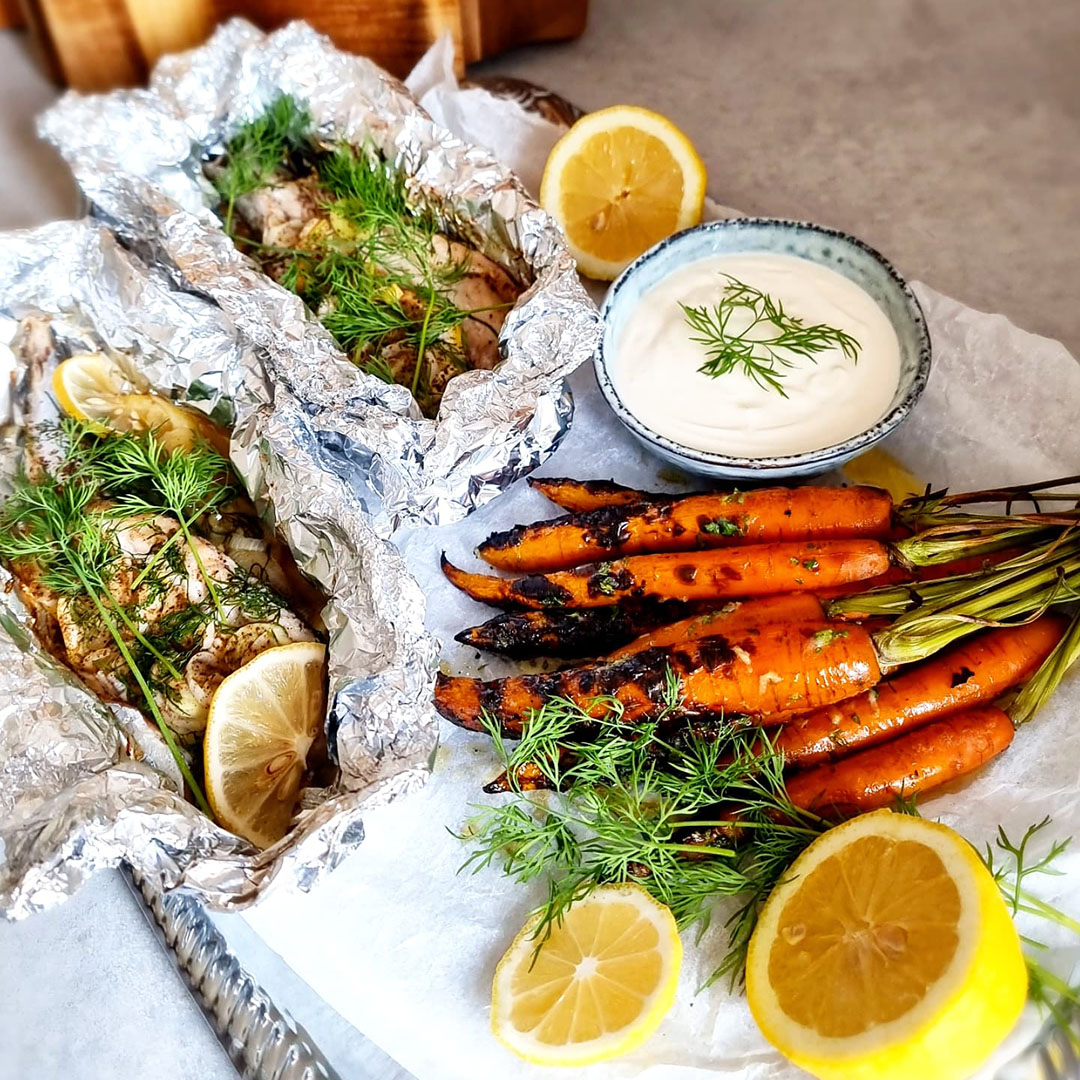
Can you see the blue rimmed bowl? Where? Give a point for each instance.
(846, 255)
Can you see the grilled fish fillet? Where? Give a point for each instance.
(172, 608)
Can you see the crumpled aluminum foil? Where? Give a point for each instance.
(137, 155)
(83, 786)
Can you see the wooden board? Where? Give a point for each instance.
(394, 33)
(98, 44)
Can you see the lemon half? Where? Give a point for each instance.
(599, 986)
(619, 181)
(888, 953)
(263, 719)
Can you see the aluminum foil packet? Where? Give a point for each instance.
(138, 156)
(83, 785)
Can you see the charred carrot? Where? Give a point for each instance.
(571, 635)
(787, 607)
(758, 570)
(910, 765)
(974, 672)
(768, 515)
(579, 495)
(755, 671)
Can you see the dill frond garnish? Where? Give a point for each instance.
(749, 330)
(635, 804)
(1011, 864)
(259, 148)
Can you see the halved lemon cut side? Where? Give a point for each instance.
(599, 985)
(263, 719)
(93, 387)
(887, 953)
(619, 181)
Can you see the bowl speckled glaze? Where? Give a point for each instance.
(828, 247)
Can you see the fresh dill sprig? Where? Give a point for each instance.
(749, 329)
(1049, 991)
(259, 148)
(636, 805)
(145, 478)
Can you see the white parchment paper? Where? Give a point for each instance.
(404, 948)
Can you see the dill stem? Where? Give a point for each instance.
(168, 543)
(166, 732)
(422, 345)
(1034, 906)
(143, 640)
(202, 569)
(701, 849)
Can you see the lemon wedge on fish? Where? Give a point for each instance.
(599, 985)
(87, 385)
(619, 181)
(263, 720)
(886, 953)
(93, 387)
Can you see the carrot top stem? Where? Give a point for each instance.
(1016, 591)
(946, 544)
(932, 506)
(1045, 681)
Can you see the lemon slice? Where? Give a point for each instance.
(618, 181)
(887, 953)
(87, 385)
(93, 387)
(599, 986)
(263, 720)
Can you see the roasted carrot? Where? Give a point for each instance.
(758, 570)
(756, 671)
(907, 766)
(767, 515)
(578, 495)
(976, 671)
(571, 635)
(786, 607)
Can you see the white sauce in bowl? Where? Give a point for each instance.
(655, 364)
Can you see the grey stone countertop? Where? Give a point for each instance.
(945, 134)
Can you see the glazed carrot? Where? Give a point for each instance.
(755, 671)
(758, 570)
(786, 607)
(976, 671)
(572, 635)
(910, 765)
(578, 495)
(767, 515)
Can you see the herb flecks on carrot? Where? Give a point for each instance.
(767, 515)
(756, 570)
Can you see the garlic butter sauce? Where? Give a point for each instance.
(655, 363)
